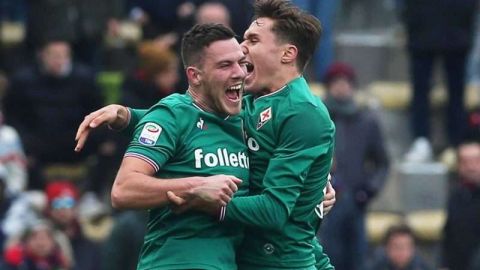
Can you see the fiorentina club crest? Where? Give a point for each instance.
(265, 116)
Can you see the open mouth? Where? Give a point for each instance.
(250, 68)
(233, 92)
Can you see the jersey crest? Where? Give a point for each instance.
(150, 133)
(265, 116)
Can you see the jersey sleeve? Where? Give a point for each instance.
(305, 135)
(155, 137)
(135, 116)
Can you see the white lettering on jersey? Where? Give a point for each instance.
(221, 158)
(253, 144)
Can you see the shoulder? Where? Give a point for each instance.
(301, 97)
(173, 109)
(173, 102)
(307, 107)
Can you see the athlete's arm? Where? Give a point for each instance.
(155, 142)
(135, 186)
(304, 139)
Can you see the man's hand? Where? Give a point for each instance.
(217, 189)
(214, 192)
(180, 205)
(328, 199)
(116, 116)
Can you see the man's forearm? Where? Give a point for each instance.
(135, 190)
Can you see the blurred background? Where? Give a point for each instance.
(401, 79)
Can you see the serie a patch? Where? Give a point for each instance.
(150, 133)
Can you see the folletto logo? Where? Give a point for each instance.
(221, 158)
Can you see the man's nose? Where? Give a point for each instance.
(244, 47)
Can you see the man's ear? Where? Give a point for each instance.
(194, 76)
(289, 54)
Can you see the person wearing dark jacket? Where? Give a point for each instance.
(399, 251)
(359, 170)
(462, 228)
(45, 103)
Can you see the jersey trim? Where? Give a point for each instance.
(144, 158)
(271, 94)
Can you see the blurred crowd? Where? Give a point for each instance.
(62, 59)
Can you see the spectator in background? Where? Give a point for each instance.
(399, 251)
(37, 250)
(437, 30)
(462, 228)
(45, 103)
(155, 78)
(62, 200)
(12, 159)
(359, 170)
(213, 12)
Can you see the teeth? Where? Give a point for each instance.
(235, 87)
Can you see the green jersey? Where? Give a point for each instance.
(290, 141)
(178, 139)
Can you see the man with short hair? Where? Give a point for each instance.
(184, 136)
(290, 139)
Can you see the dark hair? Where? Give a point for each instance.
(292, 25)
(401, 229)
(199, 37)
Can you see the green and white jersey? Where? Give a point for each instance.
(178, 139)
(290, 141)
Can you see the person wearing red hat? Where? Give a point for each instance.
(359, 141)
(62, 198)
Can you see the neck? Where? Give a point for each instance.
(282, 77)
(201, 101)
